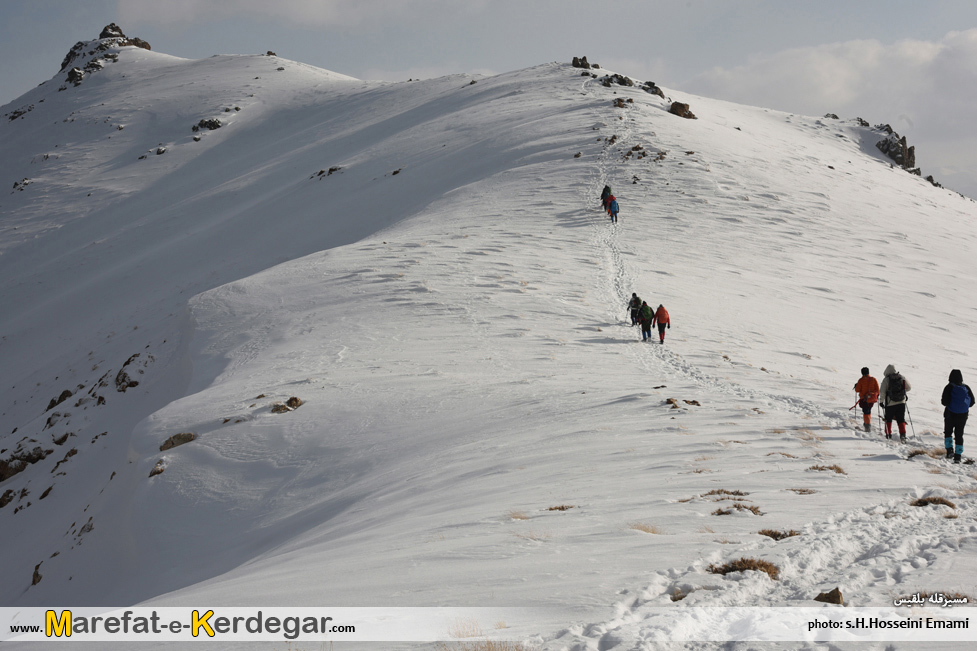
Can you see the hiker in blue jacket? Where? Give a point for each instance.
(613, 209)
(958, 398)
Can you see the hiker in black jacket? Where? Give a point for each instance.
(958, 398)
(635, 306)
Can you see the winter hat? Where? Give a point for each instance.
(956, 377)
(634, 294)
(864, 370)
(643, 303)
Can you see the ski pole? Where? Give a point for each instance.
(911, 423)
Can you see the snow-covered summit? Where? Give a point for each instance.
(425, 266)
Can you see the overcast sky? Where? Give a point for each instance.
(911, 64)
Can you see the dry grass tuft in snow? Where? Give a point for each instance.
(803, 491)
(485, 645)
(926, 501)
(783, 454)
(723, 491)
(933, 453)
(835, 467)
(755, 510)
(517, 515)
(778, 535)
(745, 564)
(647, 528)
(561, 507)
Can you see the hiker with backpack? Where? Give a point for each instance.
(603, 196)
(613, 209)
(892, 397)
(958, 398)
(635, 306)
(661, 316)
(867, 389)
(646, 316)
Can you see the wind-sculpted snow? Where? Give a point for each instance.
(456, 333)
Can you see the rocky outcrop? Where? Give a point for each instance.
(208, 123)
(111, 36)
(651, 87)
(580, 62)
(177, 440)
(620, 80)
(833, 597)
(681, 110)
(896, 148)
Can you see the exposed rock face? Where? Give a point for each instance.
(651, 87)
(177, 440)
(620, 80)
(896, 148)
(111, 36)
(580, 62)
(111, 31)
(681, 110)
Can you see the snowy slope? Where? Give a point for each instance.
(456, 332)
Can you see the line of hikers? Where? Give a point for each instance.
(641, 314)
(610, 203)
(891, 395)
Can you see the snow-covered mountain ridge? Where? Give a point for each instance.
(426, 266)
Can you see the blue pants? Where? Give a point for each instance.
(953, 425)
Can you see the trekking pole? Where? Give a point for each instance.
(911, 423)
(879, 409)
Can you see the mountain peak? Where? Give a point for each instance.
(111, 36)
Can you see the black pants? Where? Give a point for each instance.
(895, 413)
(953, 427)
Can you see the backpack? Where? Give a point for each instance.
(959, 399)
(896, 391)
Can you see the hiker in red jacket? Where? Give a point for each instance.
(661, 316)
(867, 389)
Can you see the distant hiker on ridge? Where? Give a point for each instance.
(635, 306)
(892, 397)
(958, 398)
(646, 316)
(867, 389)
(661, 316)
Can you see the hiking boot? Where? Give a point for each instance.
(868, 428)
(949, 453)
(956, 458)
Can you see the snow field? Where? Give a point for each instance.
(458, 335)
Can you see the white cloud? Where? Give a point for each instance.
(312, 13)
(421, 72)
(927, 90)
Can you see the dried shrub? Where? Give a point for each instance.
(517, 515)
(932, 453)
(647, 528)
(723, 491)
(803, 491)
(484, 645)
(561, 507)
(745, 564)
(755, 510)
(783, 454)
(834, 467)
(926, 501)
(778, 535)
